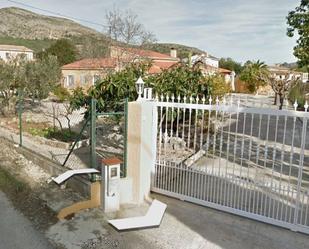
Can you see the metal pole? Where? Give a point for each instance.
(93, 133)
(20, 110)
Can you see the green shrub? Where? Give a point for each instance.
(298, 92)
(64, 135)
(61, 93)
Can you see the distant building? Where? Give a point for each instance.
(85, 73)
(8, 52)
(209, 65)
(280, 72)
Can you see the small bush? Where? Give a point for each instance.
(298, 92)
(61, 93)
(64, 135)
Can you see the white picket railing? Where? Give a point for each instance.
(246, 160)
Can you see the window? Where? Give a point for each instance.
(83, 80)
(96, 79)
(70, 80)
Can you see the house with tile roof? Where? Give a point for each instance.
(84, 73)
(209, 65)
(8, 52)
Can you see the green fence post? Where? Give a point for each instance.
(20, 111)
(93, 159)
(125, 148)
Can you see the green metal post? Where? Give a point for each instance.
(20, 111)
(125, 157)
(93, 159)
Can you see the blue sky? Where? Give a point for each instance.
(241, 29)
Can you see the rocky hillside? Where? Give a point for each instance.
(20, 23)
(23, 27)
(182, 50)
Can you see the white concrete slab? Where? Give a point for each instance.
(66, 175)
(151, 219)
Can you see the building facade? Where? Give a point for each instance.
(85, 73)
(8, 52)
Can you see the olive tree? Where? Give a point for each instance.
(12, 77)
(41, 77)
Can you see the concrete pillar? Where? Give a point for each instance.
(142, 123)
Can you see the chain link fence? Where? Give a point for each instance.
(54, 130)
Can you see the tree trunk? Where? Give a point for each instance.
(281, 102)
(275, 101)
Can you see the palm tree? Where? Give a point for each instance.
(253, 73)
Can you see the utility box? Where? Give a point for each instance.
(110, 184)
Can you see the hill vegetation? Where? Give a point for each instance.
(37, 32)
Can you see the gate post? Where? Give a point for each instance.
(141, 148)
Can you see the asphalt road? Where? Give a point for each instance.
(16, 231)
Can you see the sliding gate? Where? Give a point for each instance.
(252, 162)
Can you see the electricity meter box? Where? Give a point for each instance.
(110, 184)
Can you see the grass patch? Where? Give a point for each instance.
(9, 183)
(44, 129)
(64, 135)
(36, 45)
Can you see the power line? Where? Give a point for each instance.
(58, 14)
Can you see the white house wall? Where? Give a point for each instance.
(13, 54)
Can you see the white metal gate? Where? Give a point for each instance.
(252, 162)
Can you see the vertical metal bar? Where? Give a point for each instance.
(195, 127)
(271, 203)
(220, 175)
(281, 168)
(214, 175)
(241, 188)
(290, 171)
(165, 144)
(189, 130)
(265, 163)
(256, 197)
(300, 171)
(234, 185)
(249, 177)
(227, 182)
(20, 112)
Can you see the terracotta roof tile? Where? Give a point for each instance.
(223, 70)
(159, 66)
(92, 63)
(148, 53)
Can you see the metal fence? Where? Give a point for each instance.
(111, 135)
(249, 161)
(72, 138)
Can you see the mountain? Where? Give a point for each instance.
(182, 50)
(20, 23)
(23, 27)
